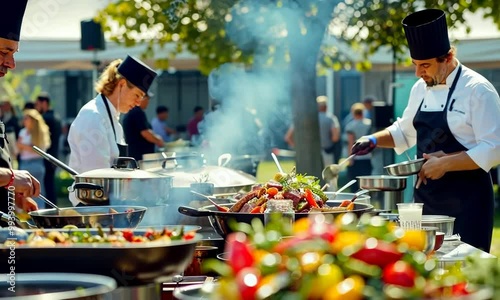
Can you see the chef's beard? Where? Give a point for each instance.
(433, 81)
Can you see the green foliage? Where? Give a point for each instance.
(356, 29)
(14, 87)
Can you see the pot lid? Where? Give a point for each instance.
(219, 176)
(123, 168)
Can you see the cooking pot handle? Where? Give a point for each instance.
(89, 186)
(125, 163)
(193, 212)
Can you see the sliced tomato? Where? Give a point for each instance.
(255, 210)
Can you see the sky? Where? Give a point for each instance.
(60, 19)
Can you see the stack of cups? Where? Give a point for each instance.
(410, 215)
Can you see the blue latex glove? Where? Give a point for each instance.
(364, 145)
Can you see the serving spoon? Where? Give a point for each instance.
(331, 172)
(209, 198)
(334, 195)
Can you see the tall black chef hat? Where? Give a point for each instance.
(11, 20)
(427, 34)
(137, 73)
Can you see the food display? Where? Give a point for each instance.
(346, 258)
(305, 192)
(70, 235)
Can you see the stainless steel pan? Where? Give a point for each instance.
(220, 221)
(129, 264)
(405, 168)
(91, 216)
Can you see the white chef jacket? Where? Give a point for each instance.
(474, 119)
(91, 138)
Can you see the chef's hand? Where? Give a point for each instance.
(432, 168)
(437, 154)
(364, 145)
(25, 184)
(27, 204)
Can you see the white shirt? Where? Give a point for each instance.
(25, 139)
(91, 139)
(474, 120)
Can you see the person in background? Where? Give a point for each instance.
(12, 127)
(96, 136)
(160, 126)
(329, 131)
(368, 107)
(138, 134)
(452, 118)
(9, 118)
(34, 133)
(358, 127)
(192, 126)
(42, 104)
(29, 105)
(17, 184)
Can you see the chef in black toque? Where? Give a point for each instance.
(16, 186)
(96, 136)
(452, 118)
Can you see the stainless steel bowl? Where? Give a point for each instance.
(443, 223)
(405, 168)
(382, 183)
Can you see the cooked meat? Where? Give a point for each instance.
(238, 205)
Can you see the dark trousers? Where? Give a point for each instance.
(49, 181)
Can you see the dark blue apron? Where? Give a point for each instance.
(122, 149)
(465, 195)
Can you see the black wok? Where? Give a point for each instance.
(220, 220)
(129, 264)
(90, 216)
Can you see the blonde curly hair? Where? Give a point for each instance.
(40, 134)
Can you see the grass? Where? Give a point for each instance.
(267, 169)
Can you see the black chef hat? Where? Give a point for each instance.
(427, 34)
(11, 20)
(137, 73)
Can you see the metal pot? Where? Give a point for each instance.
(122, 184)
(189, 169)
(382, 183)
(405, 168)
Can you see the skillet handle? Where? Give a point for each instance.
(89, 186)
(193, 212)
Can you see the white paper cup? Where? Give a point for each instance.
(410, 215)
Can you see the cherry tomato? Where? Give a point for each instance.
(248, 280)
(189, 235)
(128, 235)
(345, 203)
(327, 275)
(379, 253)
(272, 191)
(239, 251)
(399, 273)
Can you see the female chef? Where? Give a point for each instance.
(96, 137)
(452, 117)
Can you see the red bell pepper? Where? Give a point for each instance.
(310, 198)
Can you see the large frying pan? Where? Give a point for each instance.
(130, 264)
(90, 216)
(220, 220)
